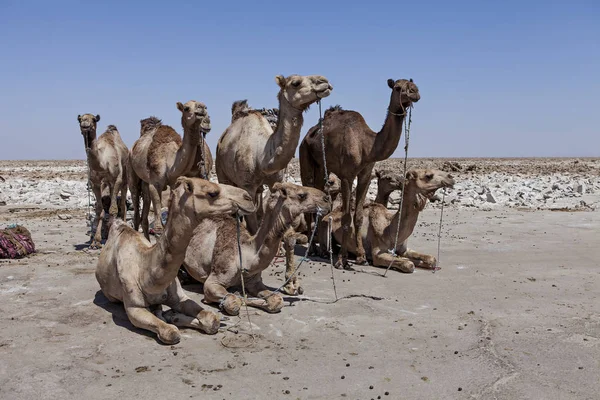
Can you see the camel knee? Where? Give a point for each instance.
(169, 334)
(209, 322)
(274, 303)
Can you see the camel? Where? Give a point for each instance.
(379, 228)
(160, 156)
(297, 234)
(143, 276)
(107, 158)
(352, 149)
(213, 257)
(387, 182)
(250, 153)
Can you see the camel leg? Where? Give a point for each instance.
(145, 210)
(142, 318)
(114, 192)
(420, 260)
(382, 258)
(97, 240)
(155, 193)
(252, 219)
(199, 318)
(214, 292)
(293, 287)
(124, 201)
(364, 179)
(342, 261)
(267, 300)
(135, 187)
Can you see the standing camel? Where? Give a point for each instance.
(250, 153)
(352, 149)
(107, 161)
(160, 156)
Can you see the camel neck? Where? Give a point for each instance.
(282, 144)
(386, 140)
(412, 205)
(186, 154)
(383, 196)
(169, 251)
(266, 241)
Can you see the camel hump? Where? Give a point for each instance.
(149, 125)
(111, 128)
(335, 108)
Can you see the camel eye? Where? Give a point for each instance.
(302, 196)
(186, 109)
(213, 194)
(296, 83)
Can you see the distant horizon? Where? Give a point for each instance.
(592, 158)
(497, 80)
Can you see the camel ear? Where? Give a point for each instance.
(97, 118)
(411, 175)
(378, 174)
(410, 80)
(187, 183)
(280, 79)
(79, 118)
(391, 83)
(180, 106)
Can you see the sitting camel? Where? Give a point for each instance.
(380, 226)
(213, 257)
(299, 233)
(144, 276)
(388, 181)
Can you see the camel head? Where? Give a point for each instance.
(404, 94)
(389, 180)
(301, 91)
(426, 181)
(193, 115)
(87, 125)
(301, 199)
(198, 198)
(335, 185)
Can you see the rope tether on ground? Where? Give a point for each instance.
(440, 230)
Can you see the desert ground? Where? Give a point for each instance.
(514, 312)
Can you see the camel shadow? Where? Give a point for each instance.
(119, 316)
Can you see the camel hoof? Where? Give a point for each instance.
(95, 245)
(209, 321)
(170, 335)
(407, 266)
(274, 304)
(300, 290)
(361, 260)
(231, 304)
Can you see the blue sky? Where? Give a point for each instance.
(497, 79)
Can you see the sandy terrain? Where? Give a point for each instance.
(514, 313)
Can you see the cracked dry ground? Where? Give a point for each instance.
(513, 314)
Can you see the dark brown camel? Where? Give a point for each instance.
(352, 149)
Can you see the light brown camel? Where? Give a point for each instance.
(299, 233)
(160, 156)
(144, 276)
(250, 153)
(380, 226)
(213, 257)
(388, 181)
(107, 159)
(352, 149)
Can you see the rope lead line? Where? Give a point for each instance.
(239, 244)
(328, 191)
(406, 143)
(89, 186)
